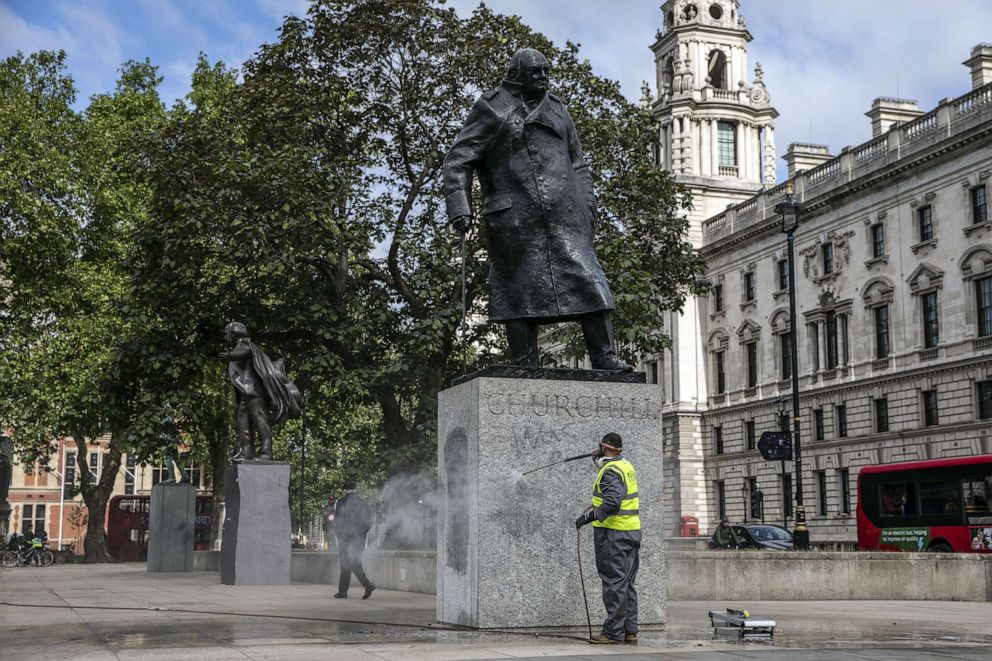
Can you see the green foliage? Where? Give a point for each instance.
(301, 195)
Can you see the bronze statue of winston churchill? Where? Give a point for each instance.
(539, 210)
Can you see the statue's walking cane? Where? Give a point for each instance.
(464, 312)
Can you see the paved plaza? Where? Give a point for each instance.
(95, 612)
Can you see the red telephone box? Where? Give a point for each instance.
(690, 526)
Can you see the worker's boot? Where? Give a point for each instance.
(597, 328)
(521, 336)
(603, 639)
(630, 639)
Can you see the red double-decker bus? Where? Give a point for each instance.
(939, 505)
(127, 526)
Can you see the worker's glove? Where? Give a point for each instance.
(462, 223)
(587, 517)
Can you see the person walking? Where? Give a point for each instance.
(352, 520)
(616, 521)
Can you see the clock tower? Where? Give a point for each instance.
(717, 139)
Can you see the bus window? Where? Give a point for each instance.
(940, 496)
(976, 499)
(126, 505)
(897, 499)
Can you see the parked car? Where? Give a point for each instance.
(766, 536)
(761, 536)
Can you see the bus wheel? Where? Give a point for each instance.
(941, 547)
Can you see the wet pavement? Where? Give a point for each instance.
(122, 612)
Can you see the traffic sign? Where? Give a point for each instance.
(776, 445)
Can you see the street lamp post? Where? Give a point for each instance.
(781, 414)
(790, 211)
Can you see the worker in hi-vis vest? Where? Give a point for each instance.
(617, 528)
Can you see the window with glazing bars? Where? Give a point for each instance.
(821, 488)
(881, 415)
(718, 440)
(983, 297)
(749, 434)
(721, 499)
(984, 399)
(924, 216)
(844, 477)
(832, 344)
(726, 143)
(752, 364)
(929, 408)
(718, 298)
(979, 205)
(785, 343)
(818, 424)
(840, 412)
(877, 240)
(827, 252)
(882, 331)
(721, 376)
(931, 326)
(783, 274)
(749, 286)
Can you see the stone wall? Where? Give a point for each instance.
(818, 576)
(719, 575)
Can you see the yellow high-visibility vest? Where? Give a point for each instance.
(628, 518)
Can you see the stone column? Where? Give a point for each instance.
(769, 165)
(705, 153)
(715, 145)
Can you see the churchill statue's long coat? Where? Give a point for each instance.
(538, 207)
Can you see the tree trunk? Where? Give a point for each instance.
(97, 495)
(218, 466)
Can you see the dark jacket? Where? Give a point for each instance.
(538, 207)
(353, 517)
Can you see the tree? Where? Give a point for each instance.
(67, 339)
(308, 203)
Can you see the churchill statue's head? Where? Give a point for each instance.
(529, 69)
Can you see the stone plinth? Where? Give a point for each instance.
(170, 528)
(506, 542)
(257, 527)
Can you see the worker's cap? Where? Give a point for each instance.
(612, 441)
(724, 519)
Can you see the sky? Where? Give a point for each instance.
(824, 61)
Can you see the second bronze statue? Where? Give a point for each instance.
(266, 397)
(539, 210)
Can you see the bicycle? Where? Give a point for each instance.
(36, 556)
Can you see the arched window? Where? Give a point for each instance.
(717, 69)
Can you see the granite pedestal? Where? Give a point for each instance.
(170, 528)
(506, 542)
(257, 527)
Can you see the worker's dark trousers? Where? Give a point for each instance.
(350, 557)
(617, 561)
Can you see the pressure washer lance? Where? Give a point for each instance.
(562, 461)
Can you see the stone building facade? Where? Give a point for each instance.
(36, 497)
(893, 277)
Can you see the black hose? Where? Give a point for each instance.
(582, 578)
